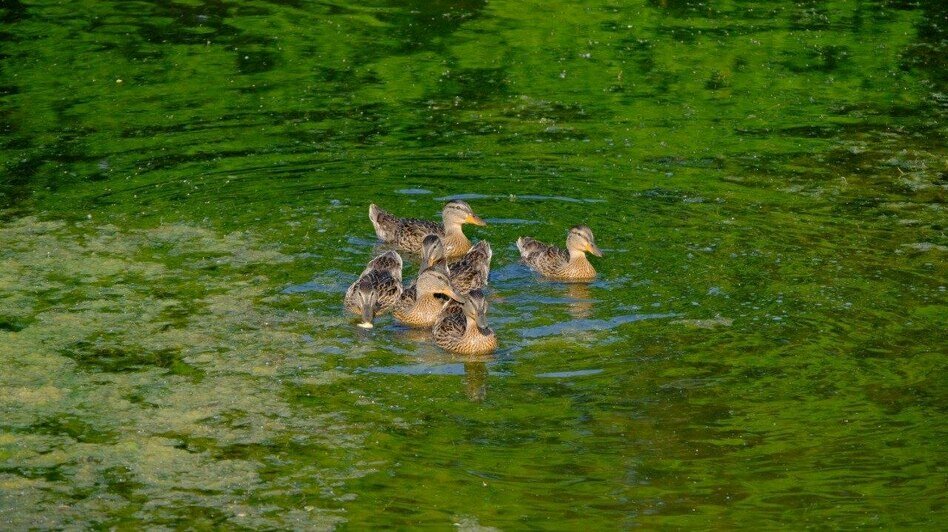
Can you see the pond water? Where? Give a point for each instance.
(184, 196)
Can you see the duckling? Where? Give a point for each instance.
(468, 273)
(565, 265)
(408, 233)
(420, 305)
(377, 289)
(462, 327)
(432, 254)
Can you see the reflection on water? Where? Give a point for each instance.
(474, 370)
(585, 325)
(580, 300)
(475, 380)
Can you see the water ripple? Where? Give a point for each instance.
(588, 325)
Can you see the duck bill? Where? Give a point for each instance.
(368, 309)
(592, 248)
(453, 295)
(475, 219)
(367, 316)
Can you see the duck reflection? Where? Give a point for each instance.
(475, 380)
(415, 336)
(580, 300)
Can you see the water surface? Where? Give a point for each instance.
(184, 189)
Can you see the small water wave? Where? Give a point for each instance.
(523, 197)
(453, 369)
(510, 221)
(334, 281)
(569, 374)
(581, 325)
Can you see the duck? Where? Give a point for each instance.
(377, 290)
(468, 273)
(570, 264)
(462, 327)
(407, 234)
(419, 305)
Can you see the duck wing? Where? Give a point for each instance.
(389, 261)
(472, 270)
(408, 296)
(451, 326)
(412, 232)
(541, 257)
(388, 288)
(385, 224)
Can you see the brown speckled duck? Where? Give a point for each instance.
(563, 265)
(462, 327)
(377, 289)
(468, 273)
(408, 233)
(420, 305)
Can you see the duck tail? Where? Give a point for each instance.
(389, 261)
(379, 219)
(488, 255)
(483, 248)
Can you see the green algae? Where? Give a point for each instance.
(101, 383)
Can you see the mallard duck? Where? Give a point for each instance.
(565, 265)
(462, 327)
(377, 289)
(408, 233)
(468, 273)
(432, 255)
(420, 305)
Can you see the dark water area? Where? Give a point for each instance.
(183, 200)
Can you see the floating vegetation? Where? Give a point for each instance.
(130, 372)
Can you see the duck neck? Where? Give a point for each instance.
(577, 255)
(455, 243)
(453, 229)
(428, 302)
(471, 329)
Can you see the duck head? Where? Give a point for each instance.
(457, 213)
(475, 308)
(435, 281)
(432, 251)
(581, 240)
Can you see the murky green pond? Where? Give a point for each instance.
(183, 194)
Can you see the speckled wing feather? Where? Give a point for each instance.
(384, 223)
(408, 296)
(411, 232)
(543, 258)
(385, 285)
(471, 272)
(404, 233)
(351, 301)
(450, 327)
(385, 262)
(389, 290)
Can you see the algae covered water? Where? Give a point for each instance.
(184, 189)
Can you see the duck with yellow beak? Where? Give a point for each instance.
(462, 327)
(408, 233)
(570, 264)
(420, 306)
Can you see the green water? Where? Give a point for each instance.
(184, 189)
